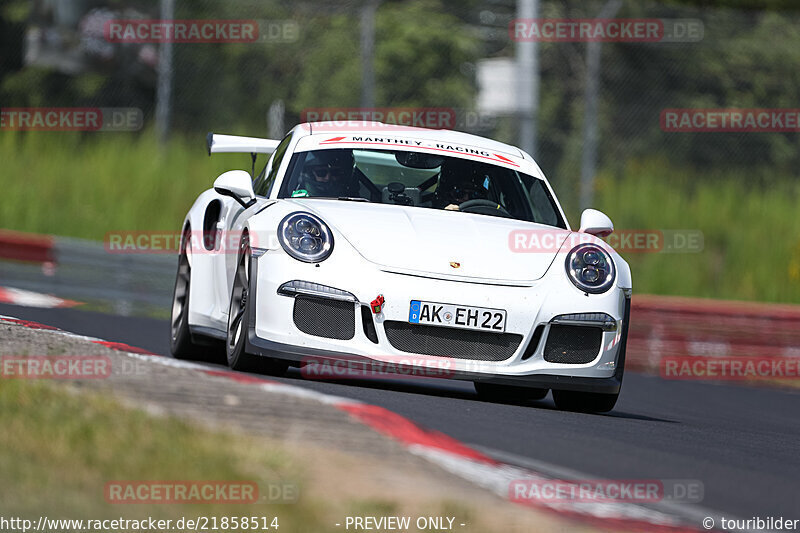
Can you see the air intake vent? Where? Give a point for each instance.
(332, 319)
(572, 345)
(369, 324)
(534, 343)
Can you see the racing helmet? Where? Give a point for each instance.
(462, 180)
(329, 173)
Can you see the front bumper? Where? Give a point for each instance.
(273, 333)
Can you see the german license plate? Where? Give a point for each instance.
(457, 316)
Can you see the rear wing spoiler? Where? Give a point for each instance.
(233, 144)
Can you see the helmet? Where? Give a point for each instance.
(328, 173)
(461, 181)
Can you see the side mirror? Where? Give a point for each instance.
(238, 185)
(596, 223)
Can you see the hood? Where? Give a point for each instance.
(438, 243)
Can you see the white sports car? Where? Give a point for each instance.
(377, 243)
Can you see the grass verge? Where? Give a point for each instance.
(751, 232)
(60, 450)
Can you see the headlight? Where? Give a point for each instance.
(590, 268)
(305, 237)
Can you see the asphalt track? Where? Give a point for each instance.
(742, 443)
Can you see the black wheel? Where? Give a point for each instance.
(238, 358)
(585, 402)
(505, 393)
(181, 344)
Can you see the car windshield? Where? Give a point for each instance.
(420, 179)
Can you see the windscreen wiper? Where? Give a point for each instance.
(352, 199)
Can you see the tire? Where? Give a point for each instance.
(506, 393)
(238, 322)
(181, 343)
(584, 402)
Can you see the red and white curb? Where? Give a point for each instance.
(9, 295)
(438, 448)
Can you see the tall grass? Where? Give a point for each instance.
(84, 187)
(87, 186)
(751, 231)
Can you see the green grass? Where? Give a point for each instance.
(66, 184)
(60, 450)
(62, 184)
(751, 232)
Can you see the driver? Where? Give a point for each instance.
(464, 184)
(328, 173)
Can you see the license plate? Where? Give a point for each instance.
(457, 316)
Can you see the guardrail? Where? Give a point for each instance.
(26, 246)
(82, 270)
(664, 326)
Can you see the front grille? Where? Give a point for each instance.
(332, 319)
(451, 342)
(572, 344)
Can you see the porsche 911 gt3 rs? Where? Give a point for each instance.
(374, 242)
